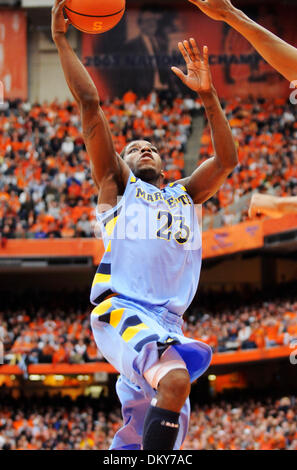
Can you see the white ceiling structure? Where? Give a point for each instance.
(37, 3)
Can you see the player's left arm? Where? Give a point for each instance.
(211, 174)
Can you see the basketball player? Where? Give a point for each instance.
(150, 269)
(279, 54)
(272, 206)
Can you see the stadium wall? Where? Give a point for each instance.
(286, 270)
(46, 79)
(232, 272)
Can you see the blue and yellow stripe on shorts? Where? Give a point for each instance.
(127, 324)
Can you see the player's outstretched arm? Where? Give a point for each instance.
(211, 174)
(278, 53)
(108, 169)
(272, 206)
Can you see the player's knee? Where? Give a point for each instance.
(175, 385)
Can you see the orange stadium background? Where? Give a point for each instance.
(13, 54)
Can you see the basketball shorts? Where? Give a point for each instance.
(132, 337)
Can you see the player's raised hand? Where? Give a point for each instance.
(198, 76)
(215, 9)
(59, 22)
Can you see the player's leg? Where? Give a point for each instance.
(170, 378)
(134, 408)
(132, 341)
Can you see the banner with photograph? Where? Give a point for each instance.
(138, 53)
(13, 54)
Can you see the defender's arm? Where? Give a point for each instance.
(278, 53)
(272, 206)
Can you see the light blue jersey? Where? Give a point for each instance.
(152, 247)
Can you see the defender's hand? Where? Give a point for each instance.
(198, 76)
(254, 208)
(215, 9)
(59, 23)
(264, 204)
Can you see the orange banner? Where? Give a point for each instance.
(286, 223)
(251, 355)
(226, 240)
(53, 247)
(13, 54)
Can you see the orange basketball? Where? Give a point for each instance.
(94, 16)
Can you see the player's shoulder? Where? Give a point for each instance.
(179, 184)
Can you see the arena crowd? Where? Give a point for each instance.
(46, 189)
(249, 425)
